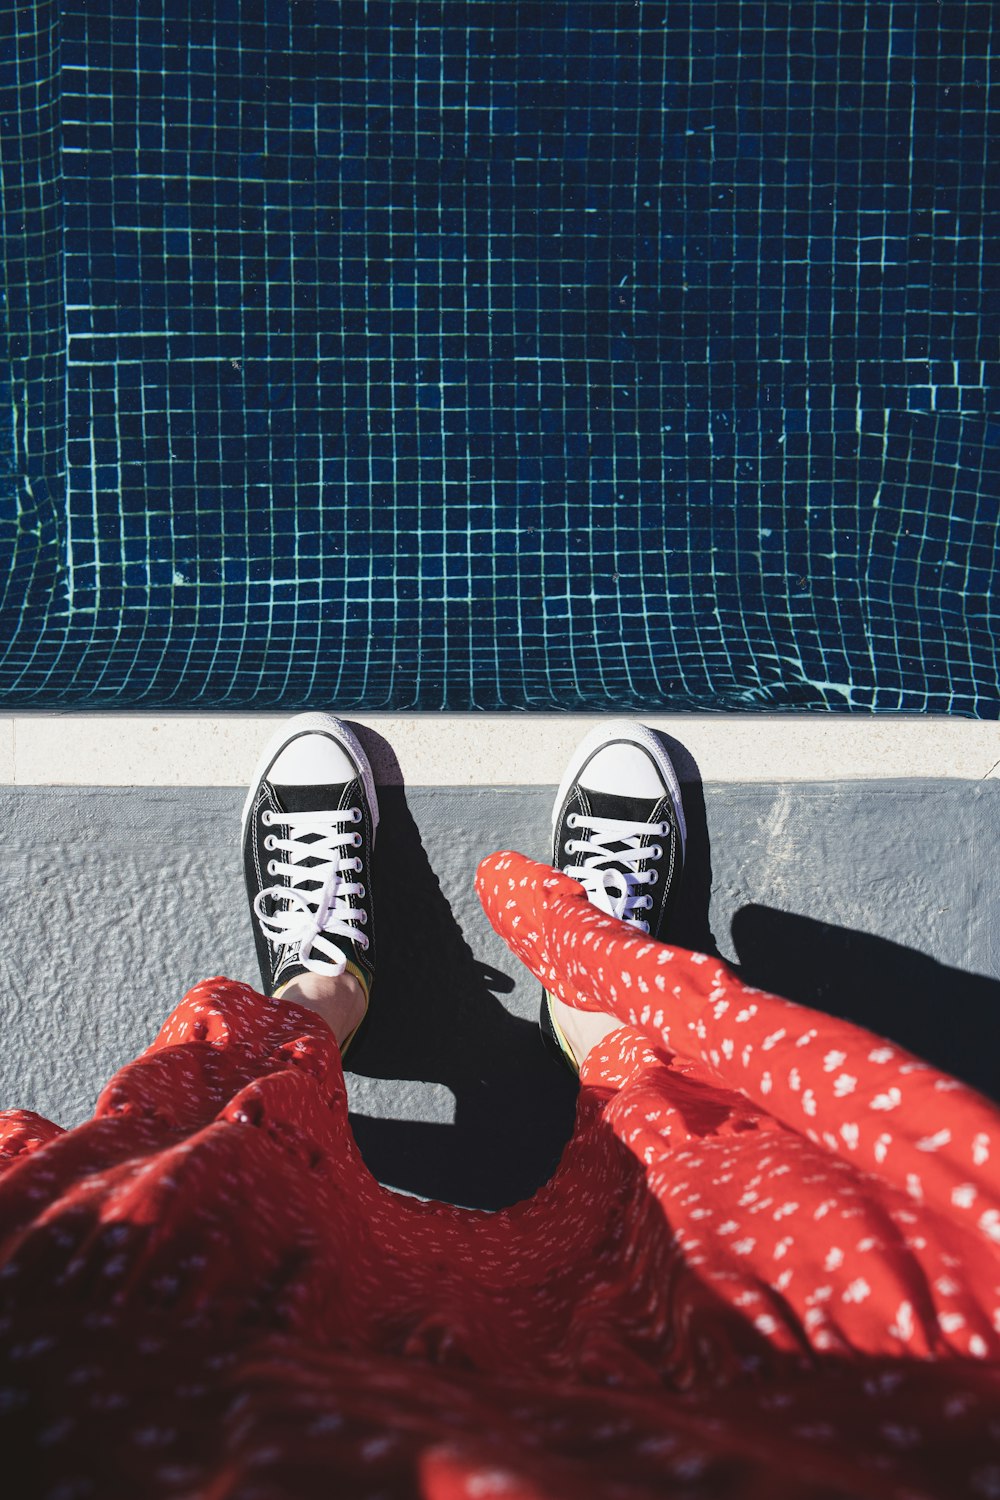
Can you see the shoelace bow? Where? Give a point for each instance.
(611, 876)
(317, 904)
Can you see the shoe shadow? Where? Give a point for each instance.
(437, 1020)
(689, 923)
(946, 1016)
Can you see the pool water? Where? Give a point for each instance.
(488, 355)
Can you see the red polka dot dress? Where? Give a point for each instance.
(767, 1266)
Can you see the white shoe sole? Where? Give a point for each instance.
(633, 734)
(313, 724)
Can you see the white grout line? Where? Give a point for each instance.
(492, 749)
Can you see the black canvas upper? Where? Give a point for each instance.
(280, 964)
(633, 809)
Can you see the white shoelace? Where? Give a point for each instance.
(306, 919)
(610, 875)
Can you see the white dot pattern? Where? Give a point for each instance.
(769, 1261)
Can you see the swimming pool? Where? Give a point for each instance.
(481, 355)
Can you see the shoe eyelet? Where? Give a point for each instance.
(365, 945)
(270, 842)
(362, 917)
(356, 840)
(272, 867)
(266, 817)
(572, 821)
(655, 853)
(356, 814)
(653, 878)
(664, 830)
(361, 890)
(570, 846)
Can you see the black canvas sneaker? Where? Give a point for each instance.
(309, 825)
(618, 828)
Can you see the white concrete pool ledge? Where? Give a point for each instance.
(116, 749)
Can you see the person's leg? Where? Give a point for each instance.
(833, 1190)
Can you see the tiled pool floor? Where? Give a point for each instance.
(499, 356)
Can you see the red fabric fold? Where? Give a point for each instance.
(756, 1272)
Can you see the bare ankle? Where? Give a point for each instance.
(583, 1029)
(339, 1000)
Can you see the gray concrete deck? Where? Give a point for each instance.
(874, 900)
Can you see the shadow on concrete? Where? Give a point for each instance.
(946, 1016)
(689, 923)
(438, 1019)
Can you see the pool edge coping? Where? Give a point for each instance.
(442, 749)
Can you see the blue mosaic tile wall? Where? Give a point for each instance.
(480, 355)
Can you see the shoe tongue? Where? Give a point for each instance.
(309, 799)
(628, 809)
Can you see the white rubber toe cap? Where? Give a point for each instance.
(625, 758)
(623, 769)
(312, 760)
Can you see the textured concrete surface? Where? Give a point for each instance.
(873, 900)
